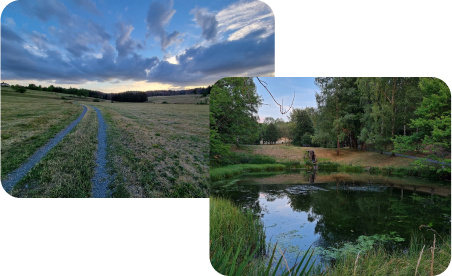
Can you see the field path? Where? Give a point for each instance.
(101, 177)
(15, 176)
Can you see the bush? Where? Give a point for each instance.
(164, 102)
(96, 100)
(374, 170)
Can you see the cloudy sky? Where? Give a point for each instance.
(283, 89)
(114, 46)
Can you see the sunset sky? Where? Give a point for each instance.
(283, 90)
(114, 46)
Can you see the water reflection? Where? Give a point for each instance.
(326, 210)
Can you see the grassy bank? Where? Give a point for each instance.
(29, 121)
(236, 230)
(229, 171)
(67, 169)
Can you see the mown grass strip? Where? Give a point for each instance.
(67, 169)
(229, 171)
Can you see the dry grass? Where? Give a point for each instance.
(66, 171)
(179, 99)
(29, 120)
(158, 150)
(346, 157)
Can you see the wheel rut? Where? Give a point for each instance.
(101, 177)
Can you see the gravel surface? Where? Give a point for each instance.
(16, 175)
(411, 157)
(101, 177)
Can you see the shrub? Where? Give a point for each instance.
(96, 100)
(164, 102)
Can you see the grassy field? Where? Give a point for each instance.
(154, 150)
(29, 120)
(157, 150)
(347, 156)
(179, 99)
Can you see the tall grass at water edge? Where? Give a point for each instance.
(229, 171)
(420, 259)
(237, 244)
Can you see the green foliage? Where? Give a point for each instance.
(328, 165)
(96, 100)
(233, 103)
(271, 134)
(231, 170)
(303, 127)
(362, 244)
(433, 121)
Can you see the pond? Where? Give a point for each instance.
(339, 210)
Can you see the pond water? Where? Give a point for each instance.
(334, 210)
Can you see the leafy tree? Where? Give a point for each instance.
(233, 105)
(433, 124)
(272, 134)
(32, 86)
(303, 126)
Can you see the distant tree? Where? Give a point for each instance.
(272, 134)
(32, 86)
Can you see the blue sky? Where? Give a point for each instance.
(113, 46)
(283, 90)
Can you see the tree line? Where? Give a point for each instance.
(128, 96)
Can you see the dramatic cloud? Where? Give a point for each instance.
(159, 15)
(124, 44)
(226, 58)
(88, 5)
(207, 21)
